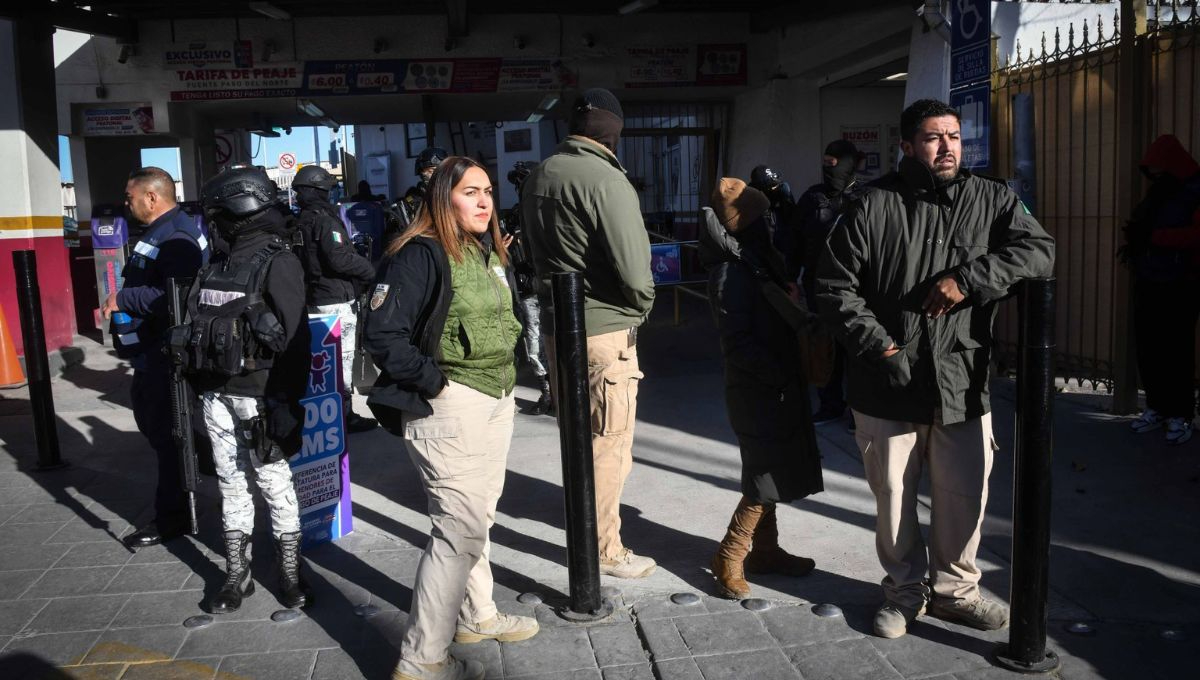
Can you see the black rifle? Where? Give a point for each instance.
(364, 244)
(181, 395)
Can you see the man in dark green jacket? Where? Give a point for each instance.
(909, 286)
(581, 214)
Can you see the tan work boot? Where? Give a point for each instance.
(976, 612)
(628, 565)
(450, 669)
(892, 620)
(727, 563)
(766, 557)
(501, 628)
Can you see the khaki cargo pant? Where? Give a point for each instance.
(959, 458)
(613, 378)
(461, 452)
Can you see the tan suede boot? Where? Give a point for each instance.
(727, 563)
(767, 557)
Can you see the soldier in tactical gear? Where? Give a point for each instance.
(529, 311)
(817, 212)
(334, 273)
(424, 166)
(246, 347)
(779, 217)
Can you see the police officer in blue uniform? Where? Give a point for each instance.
(171, 246)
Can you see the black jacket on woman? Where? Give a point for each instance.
(766, 393)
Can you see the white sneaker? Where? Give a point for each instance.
(627, 565)
(1149, 420)
(1179, 430)
(450, 669)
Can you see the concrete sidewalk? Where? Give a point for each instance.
(75, 603)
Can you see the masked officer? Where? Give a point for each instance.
(780, 216)
(530, 311)
(334, 272)
(171, 246)
(249, 360)
(424, 166)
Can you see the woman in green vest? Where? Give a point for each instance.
(442, 330)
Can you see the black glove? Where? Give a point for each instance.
(282, 427)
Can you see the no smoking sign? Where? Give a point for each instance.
(287, 160)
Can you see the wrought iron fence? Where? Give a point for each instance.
(1072, 81)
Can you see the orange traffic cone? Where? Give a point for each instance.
(11, 374)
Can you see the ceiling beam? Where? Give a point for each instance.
(60, 15)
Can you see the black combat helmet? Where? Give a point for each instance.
(239, 191)
(314, 176)
(431, 157)
(763, 178)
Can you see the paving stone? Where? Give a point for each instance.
(678, 669)
(12, 535)
(635, 672)
(71, 582)
(79, 531)
(15, 614)
(797, 625)
(616, 645)
(932, 650)
(225, 637)
(294, 664)
(104, 671)
(46, 513)
(661, 607)
(149, 578)
(303, 633)
(158, 609)
(69, 614)
(93, 555)
(845, 660)
(337, 664)
(724, 633)
(61, 649)
(30, 556)
(15, 480)
(584, 674)
(486, 652)
(137, 645)
(26, 495)
(551, 650)
(7, 512)
(663, 640)
(768, 664)
(112, 509)
(14, 583)
(190, 669)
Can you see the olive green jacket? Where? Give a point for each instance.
(581, 214)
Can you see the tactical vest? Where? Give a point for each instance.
(130, 334)
(220, 338)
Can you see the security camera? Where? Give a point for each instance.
(127, 51)
(519, 42)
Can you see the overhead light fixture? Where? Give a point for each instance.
(903, 75)
(264, 133)
(548, 102)
(535, 117)
(636, 6)
(308, 108)
(270, 11)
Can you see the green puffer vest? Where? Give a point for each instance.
(481, 329)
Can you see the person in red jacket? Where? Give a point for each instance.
(1163, 249)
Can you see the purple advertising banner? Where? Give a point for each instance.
(321, 472)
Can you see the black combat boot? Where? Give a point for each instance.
(355, 422)
(238, 583)
(545, 403)
(295, 592)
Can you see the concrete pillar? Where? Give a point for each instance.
(189, 168)
(928, 65)
(31, 197)
(778, 124)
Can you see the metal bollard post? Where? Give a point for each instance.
(575, 436)
(1034, 437)
(37, 366)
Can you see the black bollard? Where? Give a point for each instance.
(1034, 437)
(37, 366)
(575, 436)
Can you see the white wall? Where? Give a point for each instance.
(478, 141)
(875, 107)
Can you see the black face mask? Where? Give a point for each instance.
(307, 196)
(839, 176)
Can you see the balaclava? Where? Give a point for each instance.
(841, 175)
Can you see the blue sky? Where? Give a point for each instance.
(265, 150)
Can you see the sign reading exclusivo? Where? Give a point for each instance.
(321, 471)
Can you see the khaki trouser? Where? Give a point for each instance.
(613, 378)
(461, 452)
(959, 458)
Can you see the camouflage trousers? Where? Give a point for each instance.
(532, 336)
(228, 419)
(345, 313)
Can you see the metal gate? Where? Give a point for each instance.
(1093, 117)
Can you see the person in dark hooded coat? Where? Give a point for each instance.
(766, 391)
(1163, 249)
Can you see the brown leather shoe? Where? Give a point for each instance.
(727, 563)
(766, 557)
